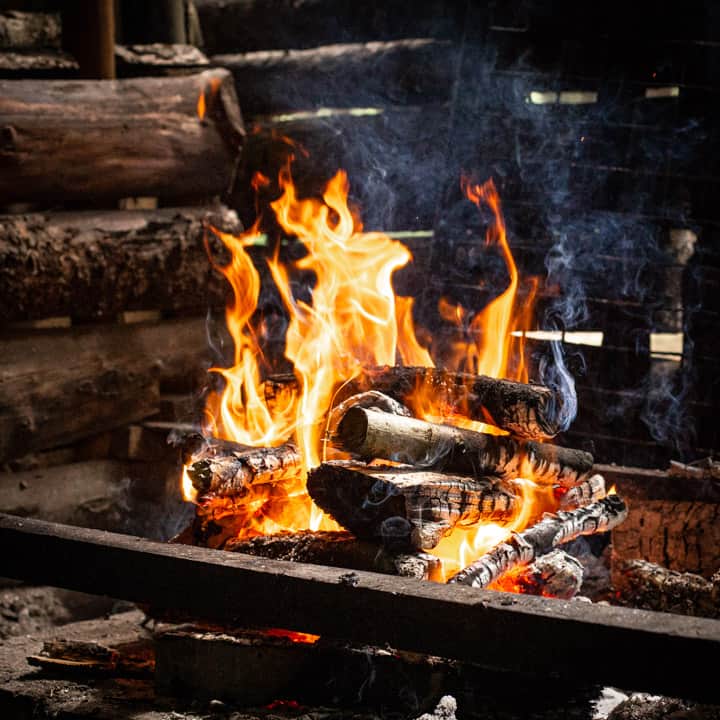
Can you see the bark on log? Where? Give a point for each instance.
(94, 265)
(404, 507)
(158, 59)
(375, 74)
(229, 474)
(643, 584)
(336, 549)
(240, 589)
(526, 410)
(28, 64)
(372, 433)
(682, 536)
(553, 530)
(93, 141)
(29, 30)
(59, 386)
(555, 574)
(588, 491)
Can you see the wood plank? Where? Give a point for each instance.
(57, 386)
(142, 138)
(375, 74)
(93, 265)
(498, 630)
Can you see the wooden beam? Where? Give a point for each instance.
(512, 632)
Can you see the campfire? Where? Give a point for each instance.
(370, 449)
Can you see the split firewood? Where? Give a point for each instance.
(556, 574)
(553, 530)
(371, 433)
(586, 492)
(644, 584)
(224, 471)
(405, 507)
(526, 410)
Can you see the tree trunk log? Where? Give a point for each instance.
(29, 30)
(682, 536)
(58, 386)
(94, 265)
(526, 410)
(224, 473)
(541, 538)
(362, 75)
(643, 584)
(404, 507)
(89, 141)
(372, 434)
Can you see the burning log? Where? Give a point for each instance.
(370, 433)
(643, 584)
(405, 507)
(553, 530)
(556, 574)
(94, 265)
(526, 410)
(143, 137)
(336, 549)
(586, 492)
(222, 471)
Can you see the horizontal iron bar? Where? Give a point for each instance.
(631, 649)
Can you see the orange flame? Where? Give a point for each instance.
(202, 102)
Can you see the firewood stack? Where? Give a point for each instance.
(399, 484)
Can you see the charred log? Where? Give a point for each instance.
(526, 410)
(553, 530)
(556, 574)
(143, 137)
(643, 584)
(229, 474)
(586, 492)
(370, 433)
(94, 265)
(404, 507)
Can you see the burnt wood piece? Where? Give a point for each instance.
(29, 30)
(231, 473)
(27, 64)
(404, 507)
(94, 265)
(372, 433)
(643, 584)
(586, 492)
(142, 138)
(158, 59)
(539, 539)
(361, 75)
(58, 386)
(636, 483)
(555, 574)
(682, 536)
(458, 622)
(526, 410)
(336, 549)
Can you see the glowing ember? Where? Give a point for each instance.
(352, 321)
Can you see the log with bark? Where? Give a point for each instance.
(404, 507)
(539, 539)
(526, 410)
(643, 584)
(586, 492)
(361, 75)
(372, 433)
(90, 141)
(93, 265)
(59, 386)
(27, 64)
(226, 470)
(555, 574)
(159, 59)
(29, 30)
